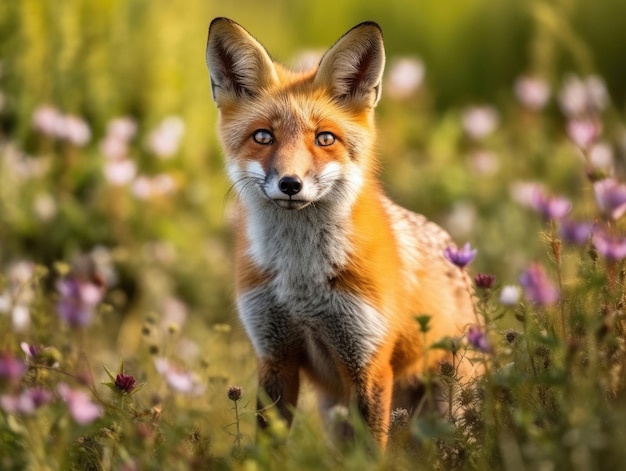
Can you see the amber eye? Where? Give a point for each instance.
(263, 137)
(324, 138)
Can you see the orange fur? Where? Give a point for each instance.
(330, 273)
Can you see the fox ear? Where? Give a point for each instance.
(238, 65)
(353, 67)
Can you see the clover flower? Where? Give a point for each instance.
(538, 288)
(460, 257)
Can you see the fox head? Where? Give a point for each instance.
(292, 139)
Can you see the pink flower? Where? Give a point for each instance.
(82, 409)
(550, 207)
(532, 92)
(538, 288)
(178, 380)
(405, 76)
(580, 97)
(479, 121)
(120, 172)
(11, 368)
(27, 402)
(583, 132)
(164, 141)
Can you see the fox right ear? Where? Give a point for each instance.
(238, 64)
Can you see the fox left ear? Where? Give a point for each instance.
(353, 66)
(238, 64)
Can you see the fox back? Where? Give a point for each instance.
(330, 273)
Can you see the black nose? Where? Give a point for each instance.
(290, 185)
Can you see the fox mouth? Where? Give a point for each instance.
(291, 204)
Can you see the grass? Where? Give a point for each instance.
(119, 344)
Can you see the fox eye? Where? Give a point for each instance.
(263, 137)
(324, 138)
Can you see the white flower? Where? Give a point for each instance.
(510, 295)
(164, 141)
(120, 172)
(404, 77)
(532, 92)
(479, 121)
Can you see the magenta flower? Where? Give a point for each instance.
(610, 247)
(577, 233)
(460, 257)
(78, 300)
(11, 368)
(80, 405)
(125, 383)
(583, 132)
(610, 197)
(27, 402)
(550, 207)
(484, 281)
(478, 339)
(538, 288)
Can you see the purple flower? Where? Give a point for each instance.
(80, 405)
(478, 339)
(610, 247)
(610, 197)
(549, 206)
(538, 288)
(460, 257)
(78, 299)
(11, 369)
(27, 402)
(577, 233)
(125, 383)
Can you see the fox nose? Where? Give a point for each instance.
(290, 185)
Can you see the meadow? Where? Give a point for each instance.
(120, 346)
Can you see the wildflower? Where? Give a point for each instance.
(11, 369)
(185, 382)
(76, 130)
(49, 121)
(610, 247)
(125, 383)
(165, 139)
(484, 162)
(484, 281)
(235, 393)
(146, 188)
(610, 197)
(532, 92)
(511, 336)
(404, 77)
(524, 192)
(122, 128)
(462, 219)
(583, 132)
(78, 300)
(460, 257)
(580, 97)
(45, 206)
(575, 232)
(550, 207)
(27, 402)
(120, 172)
(538, 288)
(478, 339)
(479, 121)
(509, 295)
(80, 405)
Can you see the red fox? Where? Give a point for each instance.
(330, 273)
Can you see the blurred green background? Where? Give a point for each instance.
(144, 59)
